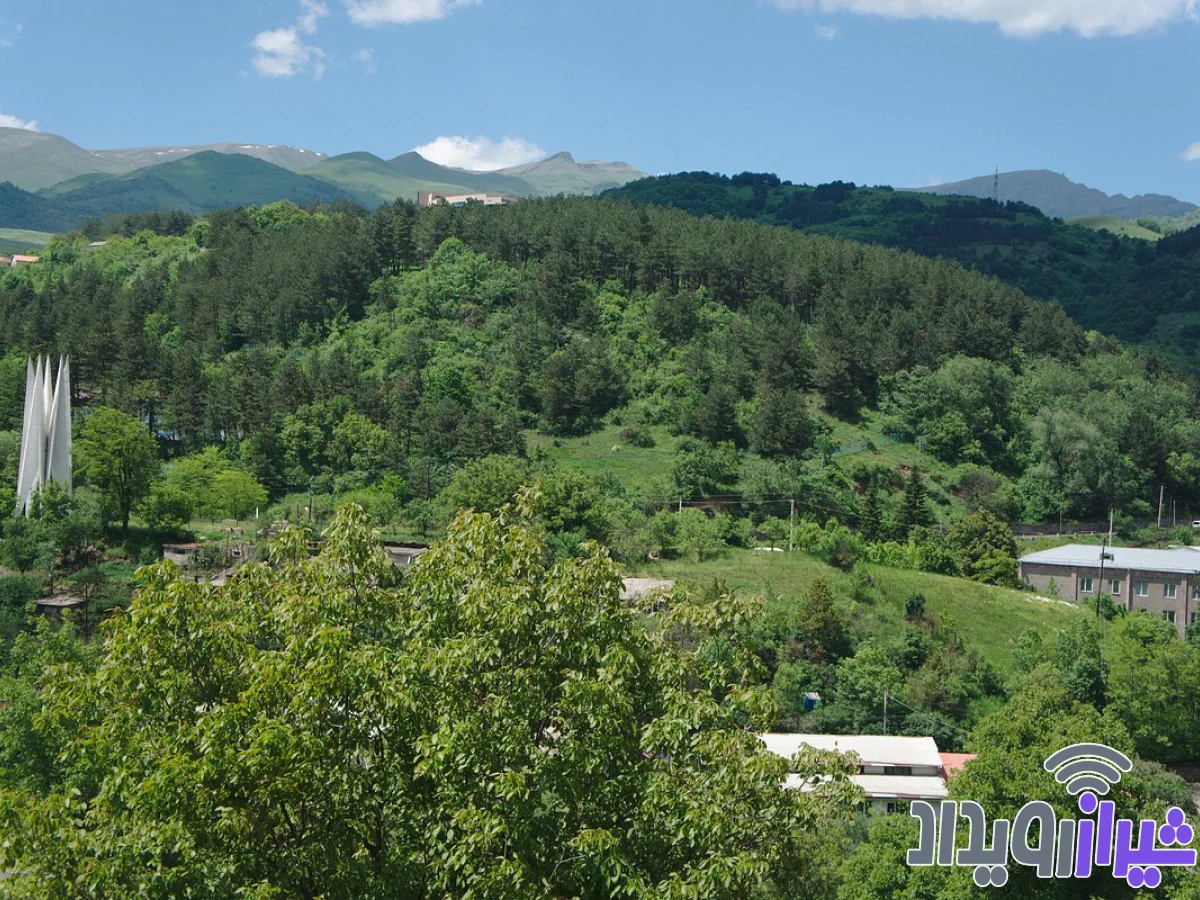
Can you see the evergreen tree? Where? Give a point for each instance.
(915, 510)
(870, 522)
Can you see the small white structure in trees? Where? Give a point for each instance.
(45, 430)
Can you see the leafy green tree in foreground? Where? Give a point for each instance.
(1011, 745)
(491, 727)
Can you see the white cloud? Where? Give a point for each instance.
(7, 121)
(281, 54)
(1023, 18)
(401, 12)
(9, 32)
(314, 11)
(365, 58)
(480, 154)
(1192, 153)
(826, 32)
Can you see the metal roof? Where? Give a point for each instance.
(872, 749)
(885, 787)
(1178, 561)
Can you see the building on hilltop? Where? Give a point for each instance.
(892, 771)
(1161, 582)
(20, 260)
(431, 198)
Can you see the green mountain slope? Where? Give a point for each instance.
(414, 165)
(22, 210)
(1113, 225)
(373, 181)
(292, 158)
(201, 182)
(1134, 289)
(561, 174)
(1059, 197)
(33, 160)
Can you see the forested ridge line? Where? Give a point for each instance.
(450, 331)
(1130, 288)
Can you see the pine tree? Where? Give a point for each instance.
(915, 511)
(870, 523)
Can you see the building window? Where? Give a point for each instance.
(1170, 590)
(897, 770)
(1114, 586)
(1169, 615)
(893, 808)
(1192, 618)
(1141, 588)
(1196, 591)
(1085, 585)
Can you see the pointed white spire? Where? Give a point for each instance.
(45, 431)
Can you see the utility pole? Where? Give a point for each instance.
(1104, 554)
(792, 527)
(885, 700)
(1162, 490)
(1111, 515)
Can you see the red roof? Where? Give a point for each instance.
(952, 763)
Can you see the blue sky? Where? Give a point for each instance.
(904, 92)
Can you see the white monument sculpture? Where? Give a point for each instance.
(45, 431)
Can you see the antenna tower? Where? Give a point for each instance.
(996, 187)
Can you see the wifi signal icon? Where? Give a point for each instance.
(1088, 767)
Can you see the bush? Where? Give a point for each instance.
(638, 436)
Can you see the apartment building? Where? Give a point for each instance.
(1164, 583)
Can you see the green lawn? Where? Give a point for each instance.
(20, 240)
(1123, 227)
(989, 619)
(604, 451)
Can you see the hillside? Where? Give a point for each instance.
(1059, 197)
(372, 181)
(20, 209)
(17, 240)
(197, 183)
(292, 158)
(561, 174)
(1113, 225)
(1134, 289)
(414, 165)
(33, 160)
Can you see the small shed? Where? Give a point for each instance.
(56, 605)
(180, 554)
(403, 554)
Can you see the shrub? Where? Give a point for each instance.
(638, 436)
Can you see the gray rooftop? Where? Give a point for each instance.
(872, 749)
(1178, 561)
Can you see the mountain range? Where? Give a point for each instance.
(1059, 197)
(48, 183)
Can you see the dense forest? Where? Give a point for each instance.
(325, 726)
(1133, 289)
(334, 350)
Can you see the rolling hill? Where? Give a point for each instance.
(32, 160)
(415, 166)
(561, 174)
(1112, 224)
(372, 181)
(1142, 291)
(1059, 197)
(195, 184)
(22, 210)
(292, 158)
